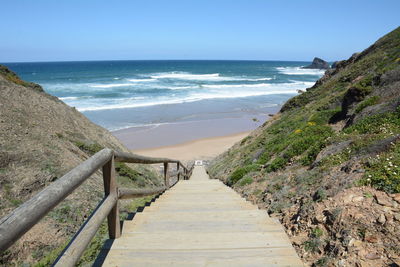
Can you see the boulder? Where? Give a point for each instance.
(318, 64)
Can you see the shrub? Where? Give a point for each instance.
(245, 181)
(240, 172)
(373, 100)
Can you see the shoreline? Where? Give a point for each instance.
(199, 149)
(176, 133)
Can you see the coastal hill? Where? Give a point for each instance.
(41, 139)
(328, 164)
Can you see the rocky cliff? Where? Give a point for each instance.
(318, 63)
(328, 165)
(41, 138)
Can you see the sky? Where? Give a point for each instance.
(73, 30)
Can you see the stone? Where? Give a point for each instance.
(371, 239)
(358, 199)
(396, 197)
(397, 216)
(382, 219)
(318, 64)
(383, 201)
(372, 256)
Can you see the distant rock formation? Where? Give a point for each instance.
(318, 64)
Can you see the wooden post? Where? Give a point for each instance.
(166, 175)
(110, 188)
(177, 169)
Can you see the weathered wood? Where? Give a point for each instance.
(79, 243)
(201, 222)
(126, 193)
(19, 221)
(176, 173)
(177, 170)
(166, 175)
(110, 188)
(133, 158)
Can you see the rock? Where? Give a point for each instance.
(382, 219)
(383, 201)
(397, 217)
(358, 199)
(396, 197)
(371, 239)
(334, 64)
(372, 256)
(348, 198)
(318, 64)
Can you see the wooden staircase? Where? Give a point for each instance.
(200, 222)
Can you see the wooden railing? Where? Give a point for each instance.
(23, 218)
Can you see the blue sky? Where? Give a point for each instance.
(253, 29)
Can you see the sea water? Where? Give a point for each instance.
(122, 94)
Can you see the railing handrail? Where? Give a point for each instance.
(23, 218)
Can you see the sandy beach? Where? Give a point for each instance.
(204, 149)
(191, 140)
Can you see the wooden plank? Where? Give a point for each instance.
(166, 175)
(278, 257)
(202, 222)
(134, 158)
(110, 188)
(126, 193)
(19, 221)
(78, 244)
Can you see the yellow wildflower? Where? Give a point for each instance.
(311, 123)
(297, 131)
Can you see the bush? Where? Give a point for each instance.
(373, 100)
(240, 172)
(245, 181)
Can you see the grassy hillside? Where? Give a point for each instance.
(328, 165)
(41, 139)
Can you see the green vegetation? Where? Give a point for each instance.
(245, 181)
(240, 172)
(90, 148)
(370, 101)
(12, 77)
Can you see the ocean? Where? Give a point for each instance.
(122, 94)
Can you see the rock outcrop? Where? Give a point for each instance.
(318, 64)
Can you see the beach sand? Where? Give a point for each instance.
(189, 140)
(203, 149)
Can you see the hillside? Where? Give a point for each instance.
(328, 164)
(41, 139)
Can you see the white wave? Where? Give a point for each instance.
(300, 71)
(257, 79)
(141, 80)
(229, 91)
(203, 77)
(69, 98)
(110, 85)
(186, 76)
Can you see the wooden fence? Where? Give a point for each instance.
(23, 218)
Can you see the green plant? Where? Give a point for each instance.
(312, 245)
(317, 232)
(90, 148)
(240, 172)
(245, 181)
(373, 100)
(320, 195)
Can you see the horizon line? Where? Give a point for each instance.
(111, 60)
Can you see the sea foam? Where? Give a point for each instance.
(300, 71)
